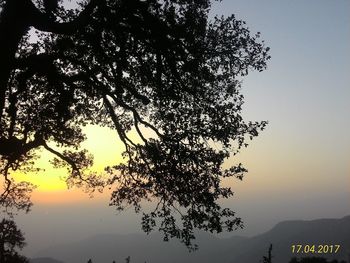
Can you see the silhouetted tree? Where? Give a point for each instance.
(268, 258)
(314, 260)
(50, 6)
(159, 67)
(16, 258)
(11, 238)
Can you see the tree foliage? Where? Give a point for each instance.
(314, 260)
(268, 258)
(160, 68)
(11, 238)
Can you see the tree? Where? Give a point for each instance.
(160, 68)
(314, 260)
(268, 258)
(10, 239)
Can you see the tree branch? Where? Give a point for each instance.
(43, 22)
(62, 157)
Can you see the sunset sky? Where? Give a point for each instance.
(299, 167)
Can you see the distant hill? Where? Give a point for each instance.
(287, 233)
(151, 249)
(44, 260)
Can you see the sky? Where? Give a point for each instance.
(299, 167)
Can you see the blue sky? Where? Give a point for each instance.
(302, 161)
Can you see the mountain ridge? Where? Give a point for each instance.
(151, 248)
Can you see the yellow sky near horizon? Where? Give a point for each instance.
(274, 165)
(102, 142)
(106, 148)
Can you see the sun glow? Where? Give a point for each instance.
(102, 143)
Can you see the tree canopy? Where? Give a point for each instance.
(314, 260)
(161, 68)
(11, 238)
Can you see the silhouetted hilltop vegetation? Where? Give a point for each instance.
(45, 260)
(314, 260)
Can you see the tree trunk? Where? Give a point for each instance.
(2, 251)
(15, 19)
(13, 25)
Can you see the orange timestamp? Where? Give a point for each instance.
(314, 249)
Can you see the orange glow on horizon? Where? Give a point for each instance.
(67, 197)
(101, 142)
